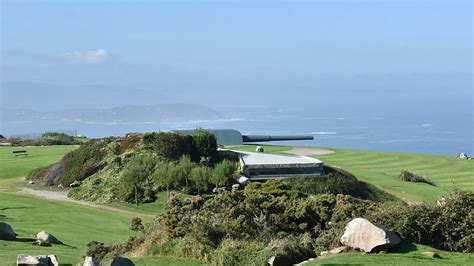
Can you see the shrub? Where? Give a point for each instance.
(199, 178)
(136, 224)
(137, 180)
(223, 173)
(167, 176)
(83, 162)
(412, 177)
(205, 144)
(337, 181)
(170, 145)
(53, 138)
(97, 250)
(448, 225)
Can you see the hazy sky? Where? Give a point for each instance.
(229, 46)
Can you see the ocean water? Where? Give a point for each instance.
(420, 133)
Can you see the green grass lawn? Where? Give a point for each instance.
(412, 257)
(74, 224)
(11, 166)
(383, 169)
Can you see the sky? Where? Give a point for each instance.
(406, 62)
(207, 44)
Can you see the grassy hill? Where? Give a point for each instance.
(382, 169)
(76, 225)
(38, 156)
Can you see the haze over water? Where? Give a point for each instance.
(380, 75)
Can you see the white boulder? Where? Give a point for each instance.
(90, 261)
(363, 235)
(41, 260)
(44, 236)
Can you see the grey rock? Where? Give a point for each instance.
(243, 180)
(279, 261)
(6, 232)
(338, 250)
(90, 261)
(47, 237)
(431, 254)
(40, 260)
(42, 243)
(122, 261)
(363, 235)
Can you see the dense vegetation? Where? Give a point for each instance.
(48, 139)
(412, 177)
(135, 168)
(250, 226)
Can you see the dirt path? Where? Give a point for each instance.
(308, 151)
(62, 196)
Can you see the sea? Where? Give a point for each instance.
(425, 133)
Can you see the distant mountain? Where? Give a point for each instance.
(124, 114)
(47, 97)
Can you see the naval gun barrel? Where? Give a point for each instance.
(263, 138)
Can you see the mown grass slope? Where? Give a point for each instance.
(11, 166)
(407, 257)
(74, 224)
(383, 169)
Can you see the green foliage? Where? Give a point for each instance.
(185, 165)
(224, 173)
(170, 145)
(136, 224)
(337, 181)
(97, 250)
(137, 179)
(199, 178)
(412, 177)
(53, 138)
(83, 162)
(167, 176)
(205, 144)
(448, 224)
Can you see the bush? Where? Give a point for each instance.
(199, 178)
(53, 138)
(337, 181)
(170, 145)
(447, 225)
(412, 177)
(205, 144)
(137, 180)
(223, 173)
(136, 224)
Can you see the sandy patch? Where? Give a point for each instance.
(308, 151)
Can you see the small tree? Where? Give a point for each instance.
(167, 175)
(200, 178)
(206, 145)
(139, 175)
(185, 165)
(223, 173)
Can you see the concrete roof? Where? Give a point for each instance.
(257, 158)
